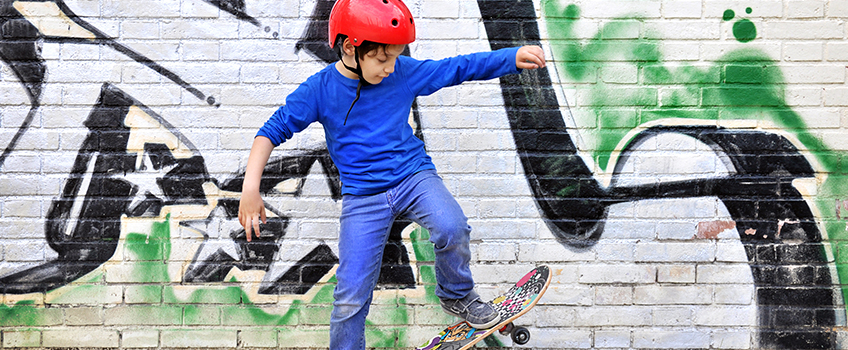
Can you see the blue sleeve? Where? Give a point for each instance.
(299, 111)
(428, 76)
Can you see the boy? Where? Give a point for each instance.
(363, 102)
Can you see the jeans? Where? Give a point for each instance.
(365, 225)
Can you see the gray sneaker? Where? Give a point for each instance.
(477, 313)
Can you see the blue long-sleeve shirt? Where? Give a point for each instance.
(376, 148)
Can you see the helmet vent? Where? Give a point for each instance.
(394, 22)
(386, 2)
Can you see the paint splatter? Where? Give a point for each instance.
(743, 30)
(711, 229)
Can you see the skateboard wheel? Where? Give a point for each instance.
(520, 335)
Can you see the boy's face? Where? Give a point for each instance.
(379, 63)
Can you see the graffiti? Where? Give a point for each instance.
(133, 163)
(759, 193)
(134, 170)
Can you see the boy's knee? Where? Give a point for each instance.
(447, 236)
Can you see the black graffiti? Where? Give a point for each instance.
(236, 8)
(794, 313)
(794, 286)
(20, 49)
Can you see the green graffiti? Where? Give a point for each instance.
(743, 30)
(743, 84)
(23, 313)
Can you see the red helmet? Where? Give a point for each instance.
(379, 21)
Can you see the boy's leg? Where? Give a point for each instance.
(365, 224)
(425, 200)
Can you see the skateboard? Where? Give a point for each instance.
(511, 305)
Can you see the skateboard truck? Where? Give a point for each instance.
(519, 335)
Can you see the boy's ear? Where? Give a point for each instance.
(348, 47)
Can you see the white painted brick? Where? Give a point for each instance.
(552, 251)
(759, 9)
(696, 251)
(496, 162)
(836, 96)
(803, 51)
(21, 339)
(671, 294)
(567, 338)
(614, 250)
(80, 337)
(601, 316)
(724, 273)
(592, 274)
(726, 316)
(629, 229)
(73, 52)
(453, 29)
(823, 74)
(681, 9)
(145, 29)
(662, 339)
(805, 9)
(199, 338)
(552, 316)
(613, 295)
(21, 250)
(440, 9)
(676, 274)
(673, 316)
(496, 208)
(139, 338)
(508, 274)
(619, 74)
(140, 8)
(732, 339)
(803, 30)
(85, 8)
(734, 294)
(680, 51)
(452, 163)
(197, 9)
(496, 252)
(502, 229)
(199, 29)
(804, 96)
(562, 295)
(692, 30)
(601, 9)
(612, 338)
(837, 8)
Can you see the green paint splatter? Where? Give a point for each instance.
(23, 313)
(744, 30)
(744, 84)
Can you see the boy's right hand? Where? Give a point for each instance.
(251, 213)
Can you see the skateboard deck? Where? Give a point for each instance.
(511, 305)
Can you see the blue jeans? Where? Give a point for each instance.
(365, 225)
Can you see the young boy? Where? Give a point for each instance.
(363, 102)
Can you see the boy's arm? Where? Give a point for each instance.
(428, 76)
(251, 207)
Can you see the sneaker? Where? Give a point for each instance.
(478, 314)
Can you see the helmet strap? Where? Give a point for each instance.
(362, 81)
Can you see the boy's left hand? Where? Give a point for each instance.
(530, 57)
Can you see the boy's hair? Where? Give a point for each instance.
(362, 50)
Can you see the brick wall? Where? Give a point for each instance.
(680, 165)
